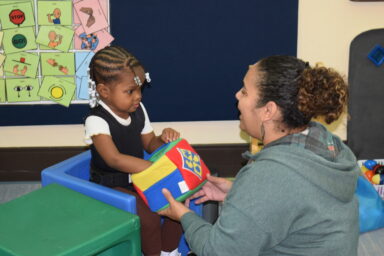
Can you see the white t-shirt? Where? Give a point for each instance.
(95, 125)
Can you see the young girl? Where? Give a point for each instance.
(118, 130)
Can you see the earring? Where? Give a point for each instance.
(262, 132)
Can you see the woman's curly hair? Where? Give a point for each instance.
(300, 91)
(322, 92)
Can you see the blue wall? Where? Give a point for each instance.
(197, 53)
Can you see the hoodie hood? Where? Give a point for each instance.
(318, 156)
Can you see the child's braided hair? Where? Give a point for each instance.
(107, 64)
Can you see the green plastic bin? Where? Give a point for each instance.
(55, 220)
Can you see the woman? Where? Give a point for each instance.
(296, 196)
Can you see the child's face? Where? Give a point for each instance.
(124, 95)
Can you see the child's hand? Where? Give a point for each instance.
(169, 135)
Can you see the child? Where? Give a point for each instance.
(119, 130)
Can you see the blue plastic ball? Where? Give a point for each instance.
(370, 164)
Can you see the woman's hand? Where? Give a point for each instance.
(214, 189)
(176, 210)
(169, 135)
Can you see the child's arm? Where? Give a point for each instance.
(151, 142)
(111, 155)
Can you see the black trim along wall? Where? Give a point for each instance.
(25, 164)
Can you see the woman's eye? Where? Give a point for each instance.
(243, 92)
(130, 91)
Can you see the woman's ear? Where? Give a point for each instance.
(270, 111)
(102, 90)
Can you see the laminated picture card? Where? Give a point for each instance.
(55, 37)
(19, 39)
(22, 90)
(57, 63)
(22, 64)
(57, 89)
(17, 15)
(54, 13)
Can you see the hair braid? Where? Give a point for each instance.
(107, 64)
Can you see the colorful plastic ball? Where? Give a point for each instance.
(379, 169)
(369, 174)
(378, 179)
(363, 169)
(370, 164)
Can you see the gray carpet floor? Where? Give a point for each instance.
(370, 243)
(12, 190)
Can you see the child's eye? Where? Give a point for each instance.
(129, 91)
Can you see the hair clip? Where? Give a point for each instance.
(137, 81)
(147, 77)
(93, 95)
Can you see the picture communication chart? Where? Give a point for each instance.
(197, 53)
(46, 47)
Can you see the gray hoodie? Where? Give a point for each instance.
(295, 198)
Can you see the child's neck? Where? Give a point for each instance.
(109, 108)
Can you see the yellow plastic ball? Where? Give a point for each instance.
(363, 169)
(376, 179)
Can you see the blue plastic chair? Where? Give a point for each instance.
(74, 174)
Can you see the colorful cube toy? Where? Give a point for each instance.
(176, 167)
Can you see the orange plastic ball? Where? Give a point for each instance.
(369, 174)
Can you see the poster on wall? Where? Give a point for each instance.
(192, 53)
(45, 52)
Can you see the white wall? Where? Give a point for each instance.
(327, 27)
(325, 30)
(213, 132)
